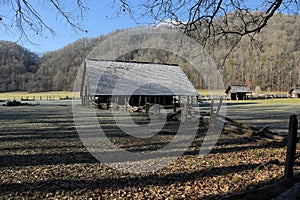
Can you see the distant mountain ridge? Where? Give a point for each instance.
(271, 62)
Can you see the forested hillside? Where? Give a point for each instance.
(17, 66)
(25, 71)
(58, 69)
(271, 61)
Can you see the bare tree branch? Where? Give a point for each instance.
(207, 19)
(28, 16)
(216, 18)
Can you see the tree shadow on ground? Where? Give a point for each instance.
(63, 139)
(122, 182)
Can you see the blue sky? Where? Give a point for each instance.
(99, 19)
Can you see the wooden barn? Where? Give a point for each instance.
(294, 93)
(237, 92)
(134, 83)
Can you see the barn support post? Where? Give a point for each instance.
(159, 104)
(291, 147)
(108, 103)
(92, 100)
(193, 105)
(146, 105)
(155, 105)
(115, 102)
(140, 100)
(174, 104)
(196, 102)
(126, 102)
(85, 96)
(186, 108)
(184, 112)
(189, 110)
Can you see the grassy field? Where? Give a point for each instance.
(260, 113)
(39, 95)
(283, 101)
(205, 92)
(63, 94)
(42, 157)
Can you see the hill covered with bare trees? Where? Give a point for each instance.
(270, 60)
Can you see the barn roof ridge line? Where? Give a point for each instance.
(131, 61)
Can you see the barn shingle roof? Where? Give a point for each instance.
(238, 89)
(127, 78)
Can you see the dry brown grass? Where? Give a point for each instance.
(38, 95)
(42, 156)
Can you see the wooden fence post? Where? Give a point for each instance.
(212, 114)
(219, 106)
(291, 147)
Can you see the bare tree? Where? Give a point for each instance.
(214, 19)
(27, 16)
(203, 19)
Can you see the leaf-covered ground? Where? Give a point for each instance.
(42, 156)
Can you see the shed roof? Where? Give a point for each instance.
(238, 89)
(135, 78)
(296, 91)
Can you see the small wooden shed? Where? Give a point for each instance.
(294, 93)
(237, 92)
(133, 83)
